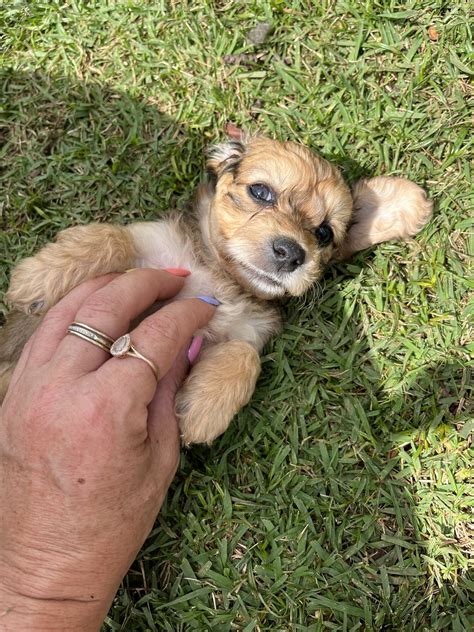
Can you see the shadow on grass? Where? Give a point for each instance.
(337, 499)
(75, 153)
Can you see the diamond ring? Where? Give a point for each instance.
(94, 336)
(123, 347)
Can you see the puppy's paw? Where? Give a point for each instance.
(33, 286)
(202, 418)
(79, 253)
(219, 385)
(386, 209)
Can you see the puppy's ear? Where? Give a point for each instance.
(225, 157)
(385, 209)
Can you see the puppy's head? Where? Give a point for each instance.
(276, 216)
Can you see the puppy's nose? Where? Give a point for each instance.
(288, 254)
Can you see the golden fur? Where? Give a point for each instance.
(241, 248)
(386, 209)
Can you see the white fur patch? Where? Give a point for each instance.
(162, 245)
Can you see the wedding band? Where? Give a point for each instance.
(97, 338)
(123, 347)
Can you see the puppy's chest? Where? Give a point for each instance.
(163, 245)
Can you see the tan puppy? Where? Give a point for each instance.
(272, 218)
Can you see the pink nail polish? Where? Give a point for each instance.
(194, 349)
(182, 272)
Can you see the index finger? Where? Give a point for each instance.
(160, 337)
(110, 311)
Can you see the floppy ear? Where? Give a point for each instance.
(225, 157)
(385, 209)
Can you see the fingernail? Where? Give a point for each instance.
(194, 349)
(182, 272)
(209, 299)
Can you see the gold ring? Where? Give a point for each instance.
(97, 338)
(123, 347)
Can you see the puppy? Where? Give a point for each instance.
(271, 218)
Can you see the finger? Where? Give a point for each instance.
(111, 309)
(163, 430)
(45, 340)
(159, 338)
(161, 408)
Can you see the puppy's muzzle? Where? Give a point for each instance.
(287, 254)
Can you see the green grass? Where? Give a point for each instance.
(341, 498)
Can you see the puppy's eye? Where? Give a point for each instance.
(324, 234)
(262, 193)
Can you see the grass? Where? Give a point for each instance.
(341, 498)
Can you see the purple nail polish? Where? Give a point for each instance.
(209, 299)
(194, 349)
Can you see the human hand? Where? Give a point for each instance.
(88, 447)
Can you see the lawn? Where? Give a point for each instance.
(341, 497)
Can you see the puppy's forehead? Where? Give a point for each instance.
(282, 165)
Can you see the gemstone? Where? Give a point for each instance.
(121, 346)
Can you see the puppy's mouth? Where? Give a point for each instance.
(262, 283)
(261, 275)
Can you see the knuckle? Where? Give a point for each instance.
(163, 327)
(95, 410)
(57, 315)
(98, 305)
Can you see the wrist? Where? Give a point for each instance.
(20, 611)
(40, 604)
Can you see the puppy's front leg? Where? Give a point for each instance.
(385, 209)
(79, 253)
(219, 385)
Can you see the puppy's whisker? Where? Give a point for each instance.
(311, 298)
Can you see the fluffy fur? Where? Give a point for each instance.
(244, 250)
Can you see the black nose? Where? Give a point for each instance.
(288, 254)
